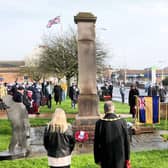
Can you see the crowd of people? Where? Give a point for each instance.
(111, 137)
(33, 95)
(105, 92)
(59, 139)
(157, 90)
(39, 94)
(36, 94)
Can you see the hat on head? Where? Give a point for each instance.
(20, 88)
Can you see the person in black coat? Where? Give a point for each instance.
(162, 94)
(110, 90)
(71, 91)
(57, 94)
(36, 96)
(111, 140)
(59, 140)
(73, 94)
(18, 94)
(133, 92)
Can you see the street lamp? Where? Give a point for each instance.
(161, 65)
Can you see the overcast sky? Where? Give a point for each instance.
(135, 32)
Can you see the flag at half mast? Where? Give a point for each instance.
(56, 20)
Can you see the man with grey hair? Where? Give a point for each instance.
(111, 140)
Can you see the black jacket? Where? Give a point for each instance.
(111, 142)
(18, 97)
(162, 94)
(132, 98)
(59, 144)
(57, 93)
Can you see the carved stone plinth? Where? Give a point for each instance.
(83, 148)
(86, 123)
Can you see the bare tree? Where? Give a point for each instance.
(60, 56)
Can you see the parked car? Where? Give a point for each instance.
(104, 94)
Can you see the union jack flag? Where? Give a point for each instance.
(148, 109)
(141, 102)
(56, 20)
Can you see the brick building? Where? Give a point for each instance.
(10, 71)
(132, 75)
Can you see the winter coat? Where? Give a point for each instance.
(57, 93)
(132, 96)
(59, 144)
(111, 142)
(162, 94)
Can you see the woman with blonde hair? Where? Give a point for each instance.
(59, 140)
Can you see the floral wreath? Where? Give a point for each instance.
(81, 136)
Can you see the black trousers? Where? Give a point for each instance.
(49, 101)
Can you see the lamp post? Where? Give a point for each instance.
(161, 65)
(125, 75)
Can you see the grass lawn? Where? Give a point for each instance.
(66, 105)
(5, 129)
(165, 137)
(150, 159)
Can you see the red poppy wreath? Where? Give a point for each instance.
(81, 136)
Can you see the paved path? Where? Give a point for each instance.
(148, 141)
(141, 142)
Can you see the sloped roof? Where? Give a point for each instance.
(4, 64)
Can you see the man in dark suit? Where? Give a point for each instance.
(73, 94)
(111, 141)
(133, 92)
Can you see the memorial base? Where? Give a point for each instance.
(87, 124)
(83, 147)
(5, 155)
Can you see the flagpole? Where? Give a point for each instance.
(62, 33)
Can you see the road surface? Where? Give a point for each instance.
(117, 96)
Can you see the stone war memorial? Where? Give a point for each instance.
(88, 112)
(88, 99)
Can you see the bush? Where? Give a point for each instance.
(165, 81)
